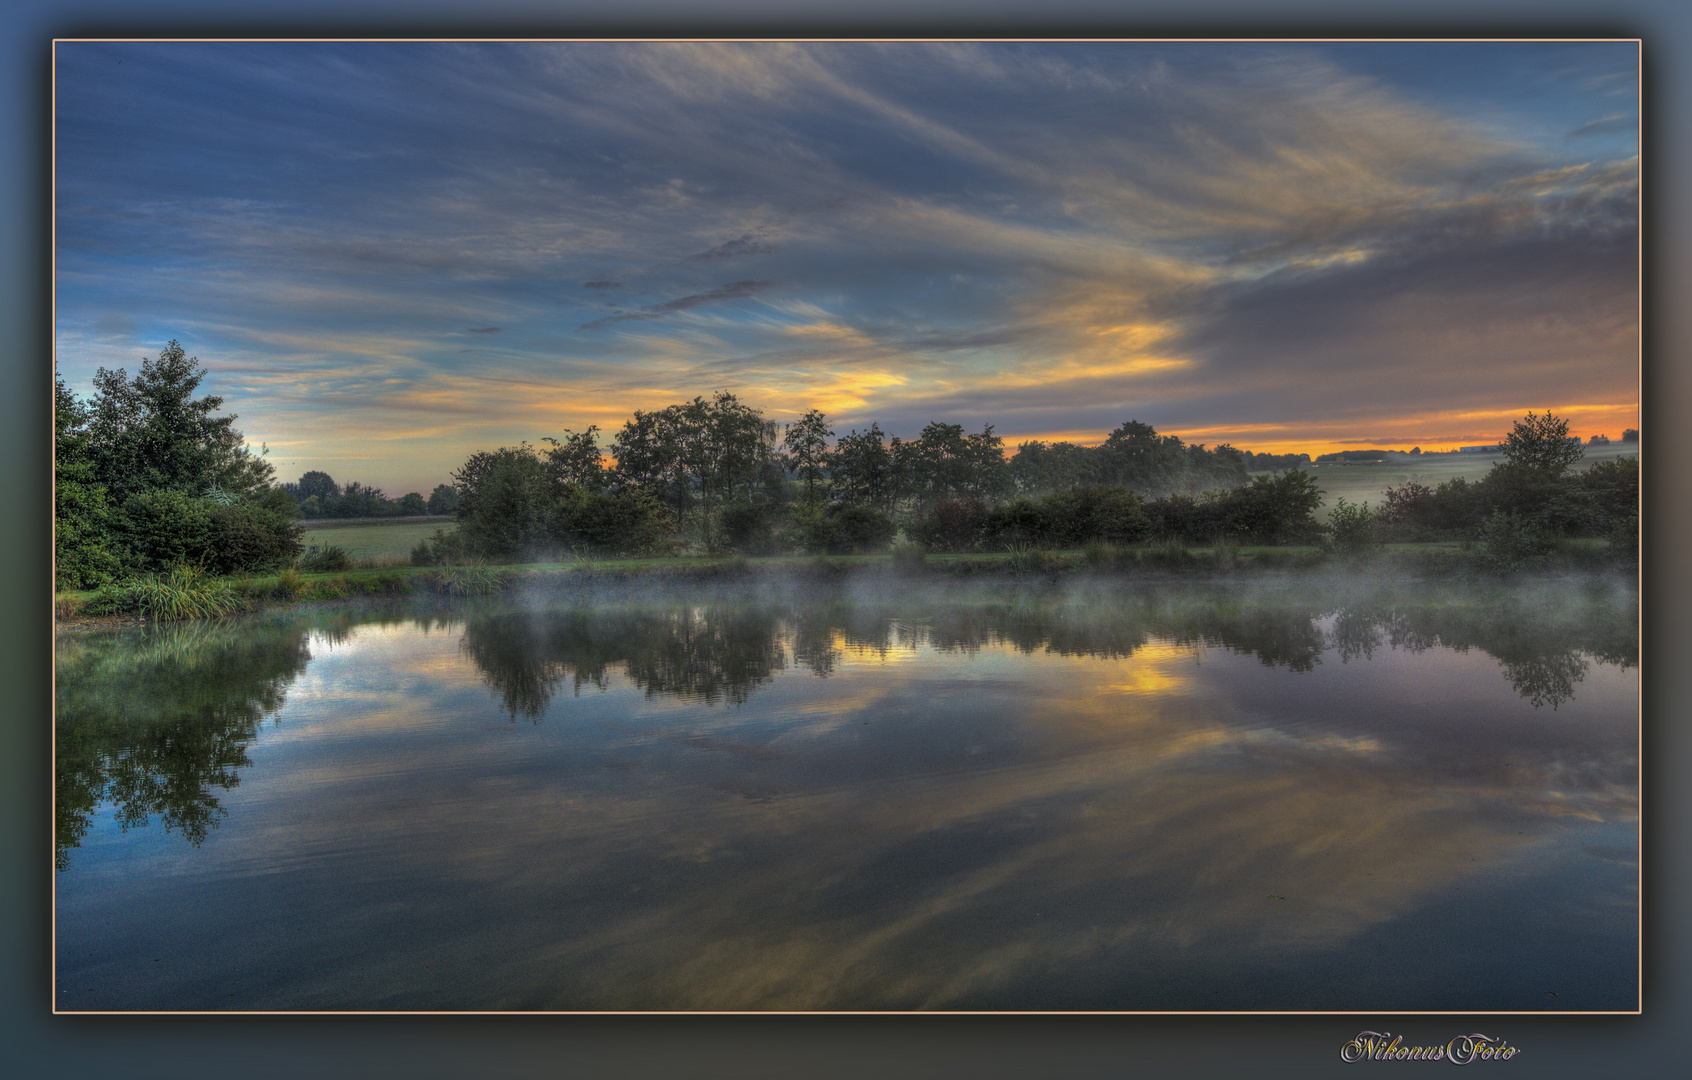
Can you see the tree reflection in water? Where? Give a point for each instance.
(722, 651)
(153, 722)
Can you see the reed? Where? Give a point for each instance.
(184, 593)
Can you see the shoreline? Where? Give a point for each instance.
(1406, 564)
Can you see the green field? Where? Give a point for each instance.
(373, 541)
(1364, 483)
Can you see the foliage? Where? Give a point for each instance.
(412, 504)
(952, 525)
(249, 537)
(150, 433)
(83, 558)
(440, 549)
(576, 459)
(318, 484)
(701, 454)
(861, 470)
(747, 528)
(1514, 541)
(160, 529)
(1351, 528)
(1540, 445)
(806, 442)
(327, 559)
(183, 593)
(614, 522)
(504, 500)
(1273, 509)
(443, 500)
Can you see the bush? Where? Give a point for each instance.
(952, 525)
(162, 529)
(746, 528)
(625, 522)
(247, 537)
(441, 549)
(1351, 528)
(1512, 541)
(328, 559)
(860, 530)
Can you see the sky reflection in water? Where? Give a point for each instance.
(1156, 799)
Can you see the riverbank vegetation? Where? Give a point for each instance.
(162, 509)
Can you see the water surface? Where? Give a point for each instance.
(1163, 797)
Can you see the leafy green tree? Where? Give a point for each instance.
(699, 453)
(1540, 446)
(151, 433)
(862, 467)
(443, 500)
(577, 458)
(82, 558)
(806, 443)
(320, 484)
(1039, 467)
(1136, 456)
(506, 499)
(412, 504)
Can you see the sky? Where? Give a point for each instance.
(390, 255)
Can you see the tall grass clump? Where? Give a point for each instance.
(184, 593)
(472, 579)
(1103, 555)
(290, 584)
(329, 559)
(909, 557)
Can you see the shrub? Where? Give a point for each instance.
(162, 529)
(1512, 541)
(329, 559)
(746, 528)
(250, 537)
(952, 525)
(1351, 528)
(860, 530)
(290, 584)
(441, 549)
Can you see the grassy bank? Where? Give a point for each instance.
(186, 595)
(366, 539)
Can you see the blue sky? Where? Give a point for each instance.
(390, 255)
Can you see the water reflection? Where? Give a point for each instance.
(1158, 798)
(725, 651)
(155, 721)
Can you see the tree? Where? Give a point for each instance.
(862, 469)
(1540, 446)
(412, 504)
(577, 458)
(320, 484)
(806, 442)
(81, 556)
(150, 433)
(443, 500)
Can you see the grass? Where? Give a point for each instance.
(189, 595)
(373, 543)
(1364, 483)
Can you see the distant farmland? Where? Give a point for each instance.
(1364, 483)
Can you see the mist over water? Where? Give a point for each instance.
(873, 794)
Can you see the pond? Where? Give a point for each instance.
(1083, 797)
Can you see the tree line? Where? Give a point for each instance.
(714, 474)
(149, 476)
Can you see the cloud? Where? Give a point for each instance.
(484, 330)
(602, 285)
(744, 245)
(737, 290)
